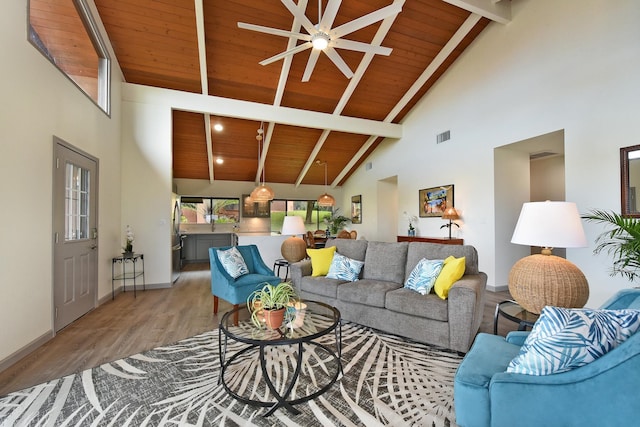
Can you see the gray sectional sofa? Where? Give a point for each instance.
(379, 300)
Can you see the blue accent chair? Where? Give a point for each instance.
(602, 393)
(237, 290)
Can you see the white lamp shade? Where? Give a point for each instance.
(550, 224)
(293, 225)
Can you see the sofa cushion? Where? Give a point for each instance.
(354, 249)
(424, 276)
(452, 270)
(366, 291)
(429, 306)
(563, 339)
(386, 261)
(321, 285)
(233, 262)
(320, 260)
(419, 250)
(344, 268)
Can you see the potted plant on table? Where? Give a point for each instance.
(336, 222)
(270, 302)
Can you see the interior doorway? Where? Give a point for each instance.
(530, 170)
(75, 253)
(387, 209)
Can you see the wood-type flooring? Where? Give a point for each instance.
(127, 326)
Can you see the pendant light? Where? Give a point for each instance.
(262, 193)
(326, 199)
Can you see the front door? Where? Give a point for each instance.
(75, 200)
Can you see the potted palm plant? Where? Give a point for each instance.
(336, 222)
(270, 302)
(622, 241)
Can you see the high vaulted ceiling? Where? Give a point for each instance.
(197, 47)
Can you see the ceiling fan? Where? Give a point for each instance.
(323, 38)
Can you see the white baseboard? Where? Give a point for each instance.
(494, 288)
(26, 350)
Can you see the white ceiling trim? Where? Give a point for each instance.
(204, 82)
(498, 11)
(218, 106)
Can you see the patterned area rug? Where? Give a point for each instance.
(386, 381)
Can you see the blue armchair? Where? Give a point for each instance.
(237, 290)
(603, 392)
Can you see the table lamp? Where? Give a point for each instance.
(294, 248)
(450, 214)
(546, 279)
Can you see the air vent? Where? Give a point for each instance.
(442, 137)
(368, 166)
(541, 154)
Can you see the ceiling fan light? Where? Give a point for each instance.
(326, 200)
(262, 193)
(320, 40)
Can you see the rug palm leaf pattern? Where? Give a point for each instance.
(386, 380)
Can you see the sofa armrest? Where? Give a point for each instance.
(517, 337)
(298, 271)
(466, 306)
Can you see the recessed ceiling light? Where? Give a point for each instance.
(219, 161)
(218, 127)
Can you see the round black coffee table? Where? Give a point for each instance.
(283, 367)
(514, 312)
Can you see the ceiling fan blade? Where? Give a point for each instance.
(273, 31)
(311, 63)
(300, 16)
(361, 47)
(366, 20)
(337, 59)
(274, 58)
(329, 15)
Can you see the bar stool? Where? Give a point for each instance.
(281, 262)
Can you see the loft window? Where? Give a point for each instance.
(65, 32)
(205, 210)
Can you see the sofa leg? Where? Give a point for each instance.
(235, 315)
(215, 304)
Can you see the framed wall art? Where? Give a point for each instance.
(434, 201)
(356, 210)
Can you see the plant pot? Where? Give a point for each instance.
(273, 318)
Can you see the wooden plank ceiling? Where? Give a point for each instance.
(156, 44)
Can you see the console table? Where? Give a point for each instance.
(442, 240)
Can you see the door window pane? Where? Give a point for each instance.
(76, 211)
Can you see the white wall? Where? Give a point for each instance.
(38, 101)
(568, 65)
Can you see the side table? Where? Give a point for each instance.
(512, 311)
(127, 275)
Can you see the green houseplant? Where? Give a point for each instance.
(622, 241)
(271, 302)
(336, 222)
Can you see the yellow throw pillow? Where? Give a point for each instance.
(452, 270)
(321, 260)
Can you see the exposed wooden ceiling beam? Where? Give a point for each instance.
(498, 11)
(219, 106)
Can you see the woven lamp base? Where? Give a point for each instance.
(293, 249)
(539, 280)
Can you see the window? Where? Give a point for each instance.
(205, 210)
(64, 31)
(76, 212)
(309, 210)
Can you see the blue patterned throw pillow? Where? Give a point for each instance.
(344, 268)
(424, 275)
(232, 261)
(563, 339)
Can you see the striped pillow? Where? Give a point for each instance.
(424, 275)
(232, 261)
(344, 268)
(563, 339)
